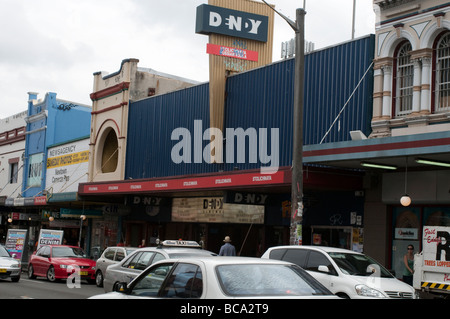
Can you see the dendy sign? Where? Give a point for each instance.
(212, 19)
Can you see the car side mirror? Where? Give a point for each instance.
(323, 268)
(121, 287)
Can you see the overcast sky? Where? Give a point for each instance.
(56, 46)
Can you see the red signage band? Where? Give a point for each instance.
(231, 52)
(249, 179)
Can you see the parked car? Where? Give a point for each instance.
(59, 262)
(346, 273)
(9, 267)
(221, 277)
(110, 256)
(134, 264)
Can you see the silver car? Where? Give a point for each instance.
(9, 267)
(110, 256)
(133, 265)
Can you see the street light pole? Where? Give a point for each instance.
(297, 150)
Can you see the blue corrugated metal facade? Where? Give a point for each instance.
(259, 99)
(150, 126)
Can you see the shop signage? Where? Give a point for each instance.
(40, 200)
(246, 198)
(214, 210)
(212, 19)
(15, 241)
(209, 182)
(50, 237)
(67, 166)
(150, 200)
(76, 213)
(231, 52)
(406, 233)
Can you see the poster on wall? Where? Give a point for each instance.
(15, 242)
(50, 237)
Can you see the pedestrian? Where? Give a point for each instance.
(408, 260)
(227, 249)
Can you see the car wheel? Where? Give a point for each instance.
(51, 274)
(15, 279)
(30, 272)
(99, 279)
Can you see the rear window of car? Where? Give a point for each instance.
(267, 280)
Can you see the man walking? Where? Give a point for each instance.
(227, 249)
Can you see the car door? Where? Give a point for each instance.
(314, 261)
(41, 262)
(106, 259)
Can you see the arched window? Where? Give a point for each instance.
(403, 80)
(442, 74)
(110, 153)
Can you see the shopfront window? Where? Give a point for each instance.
(408, 223)
(332, 236)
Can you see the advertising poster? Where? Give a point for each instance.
(50, 237)
(67, 166)
(15, 242)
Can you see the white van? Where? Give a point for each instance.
(346, 273)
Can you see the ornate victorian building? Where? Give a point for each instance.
(411, 68)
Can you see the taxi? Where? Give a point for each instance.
(130, 267)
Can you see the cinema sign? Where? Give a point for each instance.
(240, 24)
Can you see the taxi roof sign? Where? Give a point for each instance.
(181, 243)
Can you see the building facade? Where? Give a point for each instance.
(407, 152)
(174, 190)
(12, 148)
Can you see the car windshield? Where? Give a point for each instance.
(359, 265)
(267, 280)
(68, 252)
(4, 252)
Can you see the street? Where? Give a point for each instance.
(41, 288)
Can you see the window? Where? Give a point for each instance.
(150, 284)
(13, 172)
(403, 80)
(184, 282)
(140, 260)
(120, 254)
(110, 154)
(442, 91)
(296, 256)
(109, 254)
(317, 259)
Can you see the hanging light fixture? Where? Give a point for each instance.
(405, 200)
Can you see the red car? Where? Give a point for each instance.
(59, 262)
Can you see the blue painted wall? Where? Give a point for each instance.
(52, 121)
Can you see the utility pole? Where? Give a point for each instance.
(297, 149)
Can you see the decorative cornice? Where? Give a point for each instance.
(118, 88)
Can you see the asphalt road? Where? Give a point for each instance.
(40, 288)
